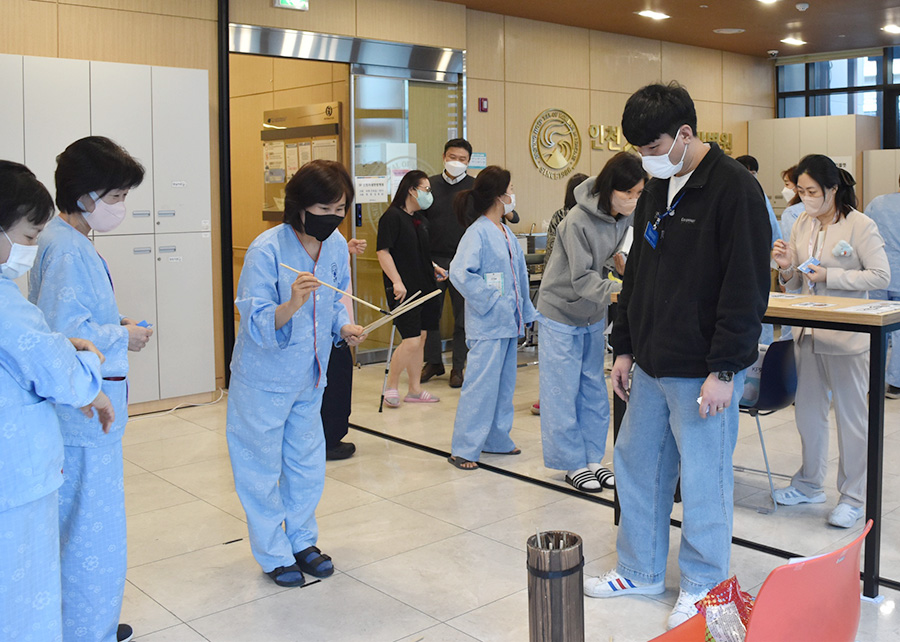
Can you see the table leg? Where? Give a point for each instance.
(875, 463)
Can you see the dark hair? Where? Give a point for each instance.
(749, 162)
(655, 110)
(93, 164)
(410, 180)
(574, 181)
(22, 195)
(491, 182)
(822, 170)
(622, 172)
(462, 143)
(319, 181)
(790, 174)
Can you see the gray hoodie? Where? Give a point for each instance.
(573, 288)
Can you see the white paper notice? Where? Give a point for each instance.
(291, 159)
(372, 189)
(325, 149)
(273, 157)
(304, 150)
(875, 307)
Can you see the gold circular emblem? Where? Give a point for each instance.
(555, 143)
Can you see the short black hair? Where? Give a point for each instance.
(319, 181)
(622, 172)
(655, 110)
(462, 143)
(22, 195)
(822, 170)
(93, 164)
(749, 162)
(574, 181)
(410, 179)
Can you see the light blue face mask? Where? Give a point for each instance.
(424, 199)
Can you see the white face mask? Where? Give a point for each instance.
(454, 168)
(105, 217)
(21, 258)
(624, 206)
(788, 194)
(661, 166)
(509, 207)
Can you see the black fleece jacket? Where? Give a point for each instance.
(694, 304)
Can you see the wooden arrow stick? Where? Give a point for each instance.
(355, 298)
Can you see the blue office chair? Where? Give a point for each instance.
(777, 387)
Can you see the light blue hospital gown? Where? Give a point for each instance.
(274, 426)
(489, 271)
(37, 367)
(71, 284)
(885, 211)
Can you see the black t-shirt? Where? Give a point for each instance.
(406, 237)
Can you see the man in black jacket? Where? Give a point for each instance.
(689, 316)
(444, 233)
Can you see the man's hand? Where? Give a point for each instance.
(715, 396)
(620, 373)
(619, 261)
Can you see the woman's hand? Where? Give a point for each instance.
(83, 345)
(357, 246)
(621, 371)
(399, 291)
(781, 254)
(619, 262)
(105, 412)
(353, 334)
(817, 273)
(302, 287)
(440, 273)
(138, 336)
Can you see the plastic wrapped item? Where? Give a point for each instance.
(751, 382)
(727, 611)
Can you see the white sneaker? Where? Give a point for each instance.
(845, 515)
(611, 584)
(790, 496)
(684, 608)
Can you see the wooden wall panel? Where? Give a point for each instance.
(28, 28)
(250, 74)
(246, 167)
(606, 110)
(303, 96)
(699, 70)
(487, 131)
(204, 9)
(484, 45)
(421, 22)
(624, 63)
(545, 54)
(290, 73)
(331, 16)
(747, 80)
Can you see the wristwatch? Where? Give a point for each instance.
(725, 375)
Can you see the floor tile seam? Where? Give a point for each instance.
(396, 599)
(350, 570)
(278, 591)
(194, 550)
(155, 601)
(477, 608)
(198, 461)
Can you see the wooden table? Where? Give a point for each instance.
(832, 313)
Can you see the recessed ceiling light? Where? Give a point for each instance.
(656, 15)
(728, 32)
(793, 41)
(891, 28)
(768, 1)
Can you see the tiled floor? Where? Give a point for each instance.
(424, 552)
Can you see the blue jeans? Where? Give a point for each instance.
(663, 432)
(892, 375)
(574, 397)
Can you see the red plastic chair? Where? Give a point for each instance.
(813, 600)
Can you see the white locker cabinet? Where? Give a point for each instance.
(57, 111)
(12, 109)
(181, 160)
(121, 111)
(185, 314)
(132, 263)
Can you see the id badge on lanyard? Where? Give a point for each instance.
(651, 232)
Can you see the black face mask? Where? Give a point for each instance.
(320, 227)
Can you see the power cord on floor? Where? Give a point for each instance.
(162, 413)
